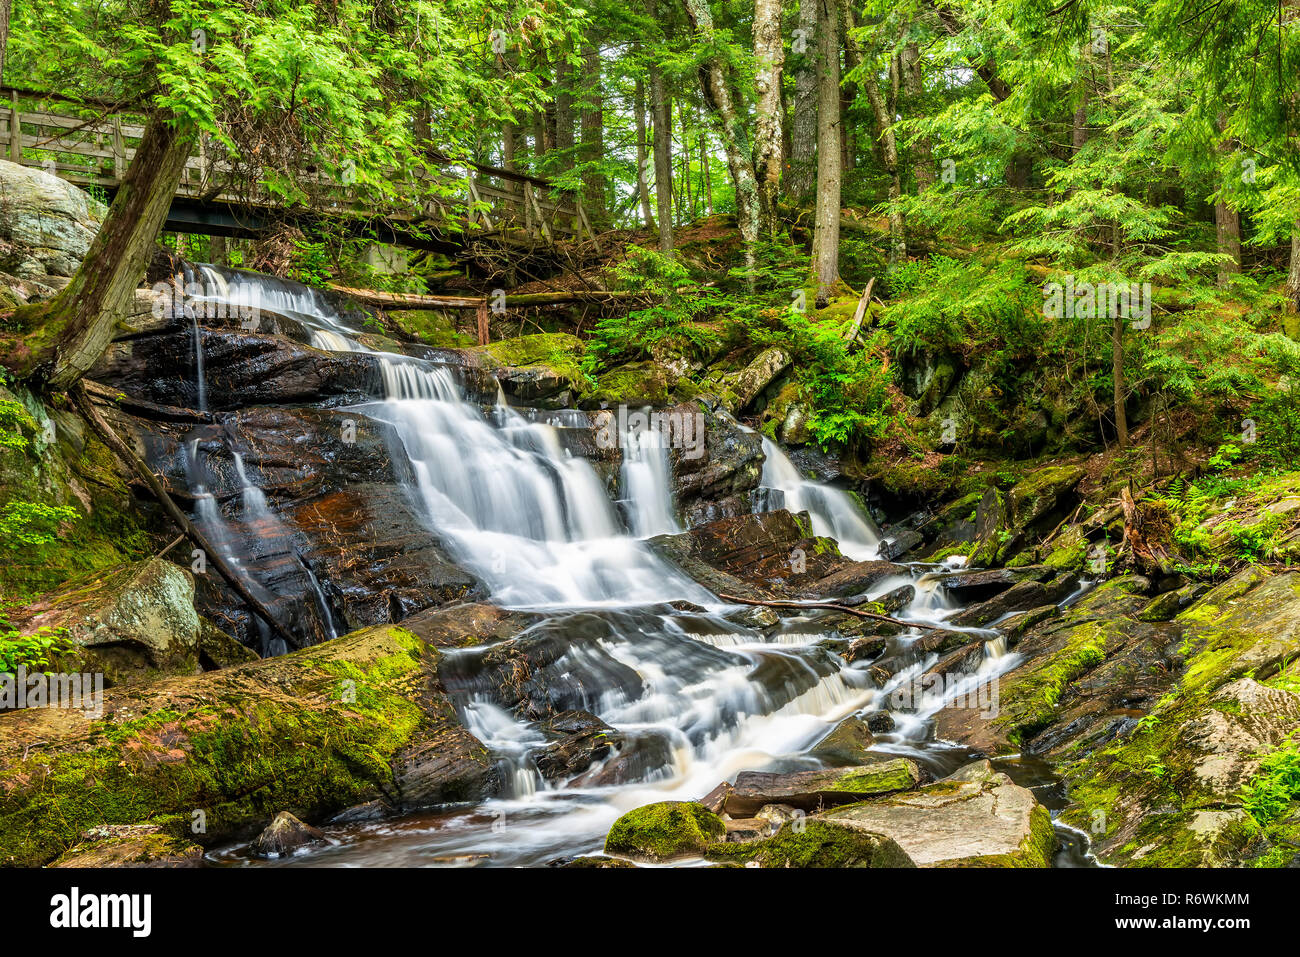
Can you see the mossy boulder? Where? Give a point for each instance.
(128, 622)
(664, 831)
(814, 843)
(211, 757)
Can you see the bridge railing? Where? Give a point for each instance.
(92, 145)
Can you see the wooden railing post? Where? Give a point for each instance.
(15, 132)
(531, 198)
(119, 150)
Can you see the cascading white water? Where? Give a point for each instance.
(834, 513)
(647, 483)
(705, 697)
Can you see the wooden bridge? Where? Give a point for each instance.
(90, 144)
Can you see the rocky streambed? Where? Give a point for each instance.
(523, 679)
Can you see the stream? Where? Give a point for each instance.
(699, 695)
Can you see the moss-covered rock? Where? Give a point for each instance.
(815, 843)
(130, 845)
(213, 756)
(664, 831)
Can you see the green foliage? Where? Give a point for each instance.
(670, 322)
(34, 652)
(1273, 790)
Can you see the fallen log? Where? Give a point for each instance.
(138, 465)
(846, 609)
(407, 300)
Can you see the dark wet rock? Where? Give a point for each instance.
(581, 739)
(899, 542)
(637, 756)
(241, 369)
(896, 600)
(879, 722)
(336, 486)
(849, 743)
(1021, 596)
(811, 790)
(977, 586)
(853, 579)
(717, 479)
(932, 641)
(285, 836)
(1018, 624)
(130, 845)
(772, 553)
(974, 818)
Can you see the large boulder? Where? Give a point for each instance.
(815, 843)
(212, 756)
(812, 790)
(46, 224)
(974, 818)
(130, 621)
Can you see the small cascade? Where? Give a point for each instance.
(647, 483)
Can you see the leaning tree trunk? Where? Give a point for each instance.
(66, 336)
(5, 6)
(826, 236)
(802, 175)
(717, 83)
(769, 52)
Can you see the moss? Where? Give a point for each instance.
(817, 844)
(326, 745)
(896, 775)
(663, 831)
(432, 327)
(636, 383)
(1028, 702)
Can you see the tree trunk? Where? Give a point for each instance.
(802, 175)
(1227, 229)
(688, 199)
(593, 137)
(662, 144)
(826, 236)
(67, 335)
(922, 153)
(769, 52)
(5, 6)
(1293, 277)
(564, 121)
(884, 112)
(642, 154)
(704, 165)
(218, 253)
(1117, 375)
(717, 84)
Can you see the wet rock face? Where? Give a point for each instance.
(127, 623)
(718, 479)
(773, 553)
(345, 545)
(241, 369)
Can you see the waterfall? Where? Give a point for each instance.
(694, 696)
(834, 513)
(647, 483)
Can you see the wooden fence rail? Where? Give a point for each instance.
(91, 146)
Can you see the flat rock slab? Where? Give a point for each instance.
(811, 790)
(974, 818)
